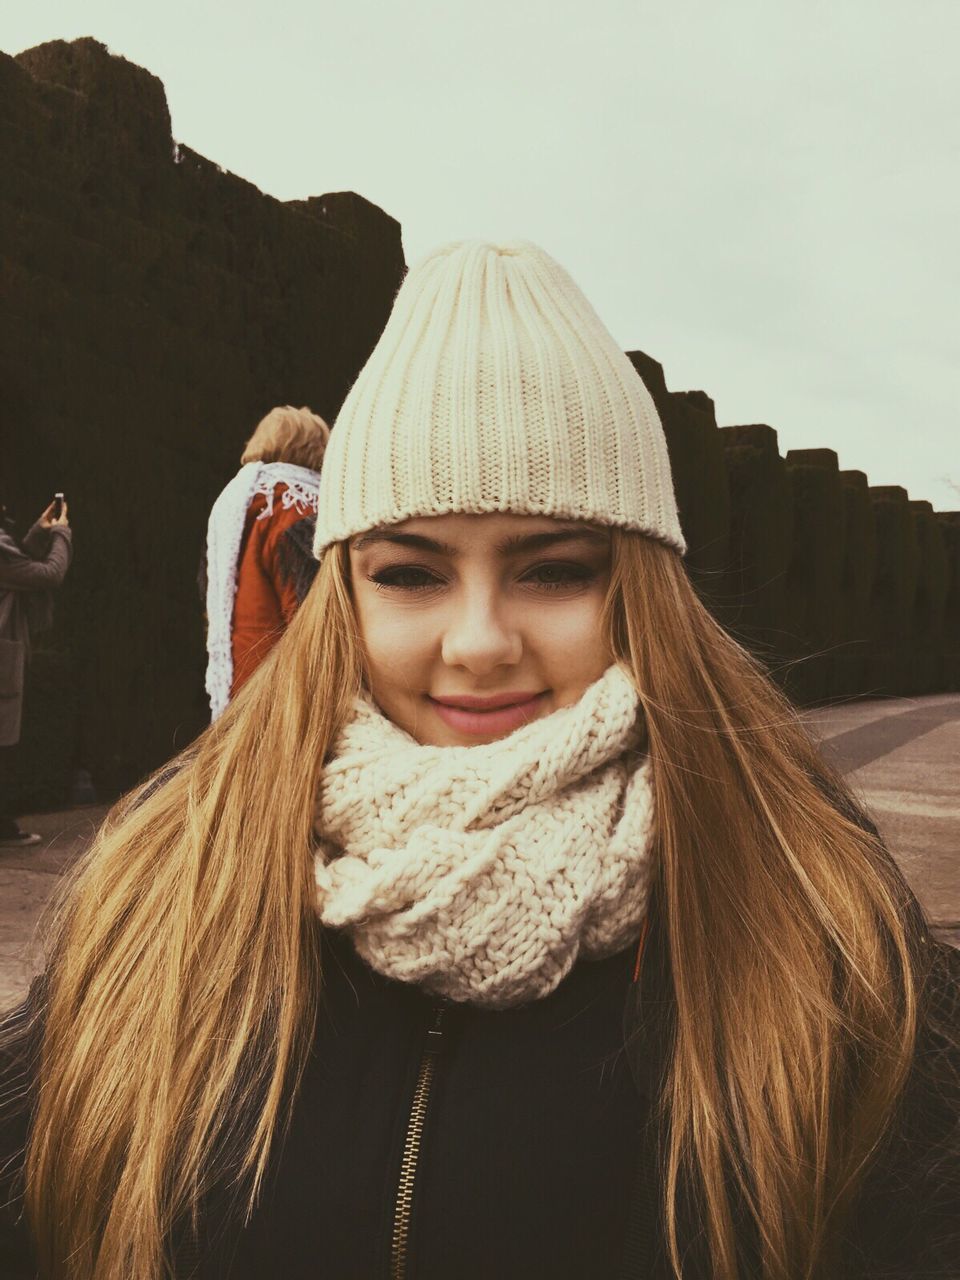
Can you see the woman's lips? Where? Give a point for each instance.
(480, 717)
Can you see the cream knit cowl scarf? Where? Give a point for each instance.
(481, 873)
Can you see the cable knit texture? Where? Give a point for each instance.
(482, 872)
(496, 387)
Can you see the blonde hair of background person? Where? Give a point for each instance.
(287, 434)
(185, 974)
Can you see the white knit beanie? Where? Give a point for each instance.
(496, 387)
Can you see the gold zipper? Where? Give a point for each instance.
(403, 1206)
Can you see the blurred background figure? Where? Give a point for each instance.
(259, 562)
(29, 574)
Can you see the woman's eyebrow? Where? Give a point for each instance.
(549, 538)
(415, 540)
(515, 543)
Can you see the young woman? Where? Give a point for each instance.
(30, 573)
(507, 924)
(258, 566)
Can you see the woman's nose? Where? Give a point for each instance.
(480, 636)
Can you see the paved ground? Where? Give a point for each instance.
(28, 880)
(901, 755)
(903, 758)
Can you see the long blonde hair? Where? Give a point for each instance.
(183, 982)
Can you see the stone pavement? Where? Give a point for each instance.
(901, 755)
(28, 879)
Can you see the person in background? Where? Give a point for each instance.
(29, 573)
(259, 564)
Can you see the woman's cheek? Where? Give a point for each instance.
(577, 622)
(395, 641)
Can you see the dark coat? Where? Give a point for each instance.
(537, 1158)
(28, 575)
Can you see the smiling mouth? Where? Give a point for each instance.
(473, 702)
(478, 717)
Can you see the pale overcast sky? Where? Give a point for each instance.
(764, 195)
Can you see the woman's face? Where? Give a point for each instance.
(476, 624)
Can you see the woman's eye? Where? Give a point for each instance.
(553, 576)
(558, 574)
(404, 578)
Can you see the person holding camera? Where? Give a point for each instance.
(30, 571)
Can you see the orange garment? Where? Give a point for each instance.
(265, 600)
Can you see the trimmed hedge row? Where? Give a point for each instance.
(154, 308)
(842, 588)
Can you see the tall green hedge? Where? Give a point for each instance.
(930, 600)
(699, 476)
(949, 524)
(893, 599)
(761, 540)
(154, 308)
(815, 572)
(856, 584)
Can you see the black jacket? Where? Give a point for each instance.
(536, 1157)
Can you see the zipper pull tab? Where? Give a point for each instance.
(436, 1031)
